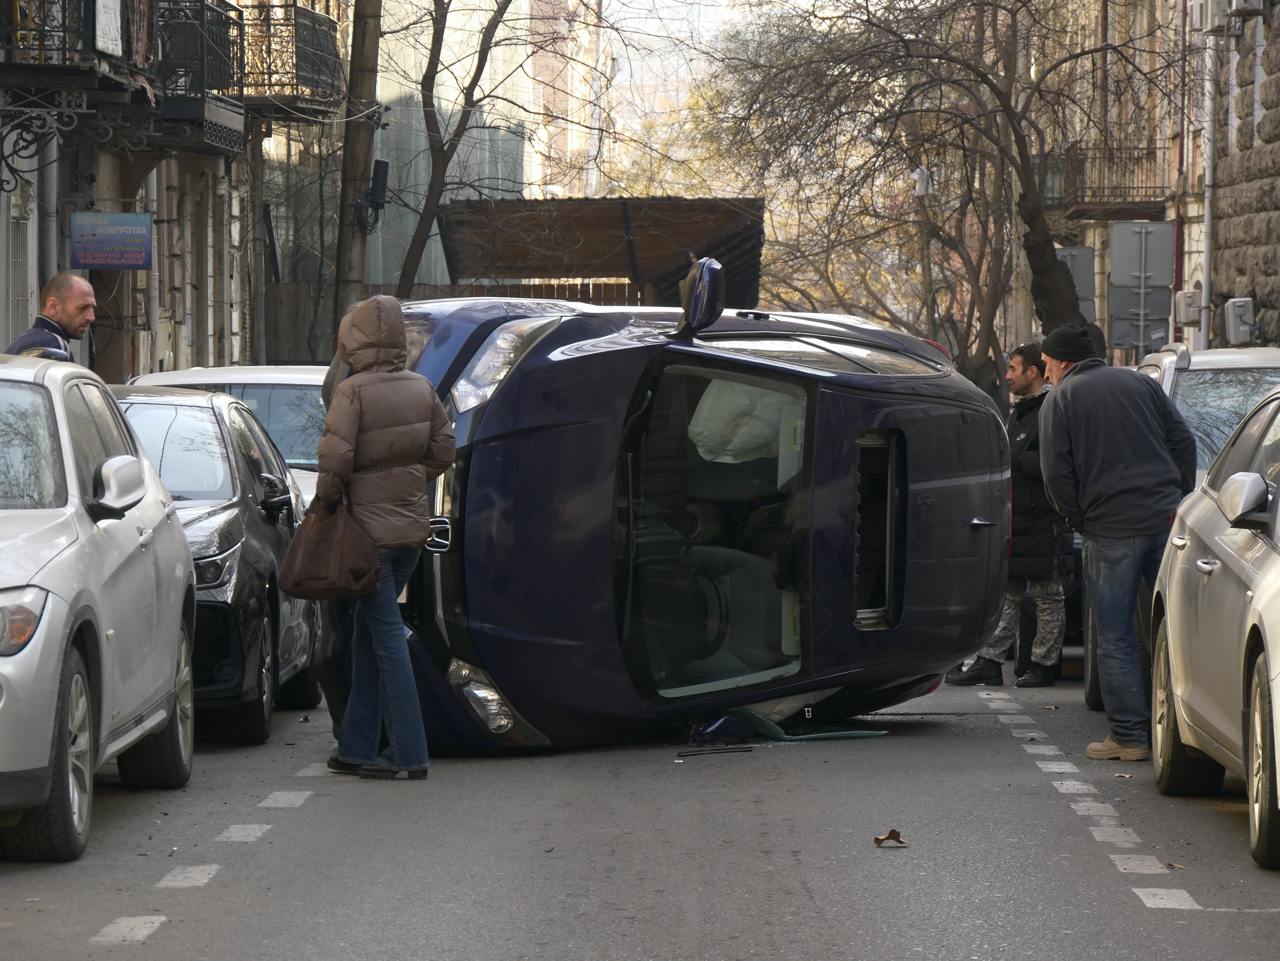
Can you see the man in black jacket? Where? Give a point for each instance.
(1040, 544)
(67, 307)
(1117, 459)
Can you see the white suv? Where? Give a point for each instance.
(97, 601)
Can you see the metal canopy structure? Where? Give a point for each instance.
(648, 240)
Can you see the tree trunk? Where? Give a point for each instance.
(1052, 288)
(422, 231)
(357, 152)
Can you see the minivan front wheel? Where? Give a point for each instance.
(1260, 770)
(58, 830)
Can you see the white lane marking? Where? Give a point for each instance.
(243, 832)
(129, 930)
(1030, 734)
(1139, 864)
(1040, 749)
(1014, 718)
(284, 799)
(1174, 898)
(195, 876)
(1120, 837)
(1075, 787)
(999, 695)
(1004, 706)
(313, 770)
(1093, 809)
(1056, 767)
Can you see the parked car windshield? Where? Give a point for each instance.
(31, 473)
(293, 416)
(1213, 402)
(187, 448)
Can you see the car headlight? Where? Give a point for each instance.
(216, 571)
(20, 611)
(481, 696)
(495, 360)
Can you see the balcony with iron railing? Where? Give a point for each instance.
(293, 70)
(76, 44)
(202, 73)
(1108, 182)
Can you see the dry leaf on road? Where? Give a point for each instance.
(894, 836)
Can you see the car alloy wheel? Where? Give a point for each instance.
(185, 701)
(1161, 707)
(1178, 770)
(1261, 789)
(79, 753)
(265, 662)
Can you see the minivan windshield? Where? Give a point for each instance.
(1214, 401)
(187, 448)
(31, 474)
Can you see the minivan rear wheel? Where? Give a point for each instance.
(1177, 770)
(58, 830)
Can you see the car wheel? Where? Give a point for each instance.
(164, 759)
(302, 691)
(1260, 771)
(58, 830)
(250, 722)
(1092, 688)
(1177, 770)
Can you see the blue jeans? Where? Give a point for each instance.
(1114, 568)
(382, 685)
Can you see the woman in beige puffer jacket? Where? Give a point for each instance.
(387, 435)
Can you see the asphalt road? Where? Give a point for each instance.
(1018, 848)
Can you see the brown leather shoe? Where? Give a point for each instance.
(1109, 749)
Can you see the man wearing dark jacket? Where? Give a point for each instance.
(1040, 541)
(1117, 458)
(67, 307)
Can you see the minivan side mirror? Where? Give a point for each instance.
(702, 297)
(1243, 501)
(123, 486)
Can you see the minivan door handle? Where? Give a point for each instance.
(981, 522)
(1206, 566)
(1178, 541)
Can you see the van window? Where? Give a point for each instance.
(717, 521)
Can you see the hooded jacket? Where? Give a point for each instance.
(387, 434)
(1116, 454)
(1040, 541)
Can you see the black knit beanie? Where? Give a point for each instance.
(1071, 343)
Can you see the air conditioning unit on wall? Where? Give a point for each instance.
(1246, 8)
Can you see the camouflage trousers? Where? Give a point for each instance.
(1051, 622)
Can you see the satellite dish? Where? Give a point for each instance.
(702, 296)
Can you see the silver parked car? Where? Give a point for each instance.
(97, 608)
(1216, 662)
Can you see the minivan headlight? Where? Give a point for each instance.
(20, 611)
(495, 360)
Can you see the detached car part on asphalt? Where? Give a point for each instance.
(97, 609)
(238, 506)
(642, 528)
(1216, 669)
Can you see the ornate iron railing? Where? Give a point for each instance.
(201, 49)
(1114, 175)
(79, 33)
(291, 58)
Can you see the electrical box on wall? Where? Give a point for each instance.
(1186, 308)
(1238, 320)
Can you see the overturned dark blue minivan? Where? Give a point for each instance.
(646, 525)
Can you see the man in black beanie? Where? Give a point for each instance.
(1117, 458)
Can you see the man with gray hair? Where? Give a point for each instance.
(67, 305)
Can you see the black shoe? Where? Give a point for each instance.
(1037, 675)
(984, 671)
(385, 772)
(339, 766)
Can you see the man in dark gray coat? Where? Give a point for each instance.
(1117, 459)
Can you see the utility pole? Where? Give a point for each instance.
(363, 115)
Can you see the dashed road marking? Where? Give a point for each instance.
(313, 770)
(1014, 718)
(129, 930)
(1004, 706)
(1113, 834)
(1093, 809)
(997, 695)
(1173, 898)
(1055, 767)
(243, 832)
(1075, 787)
(1139, 864)
(194, 876)
(1040, 749)
(1030, 734)
(284, 799)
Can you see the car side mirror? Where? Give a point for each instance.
(123, 486)
(1244, 499)
(701, 297)
(276, 494)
